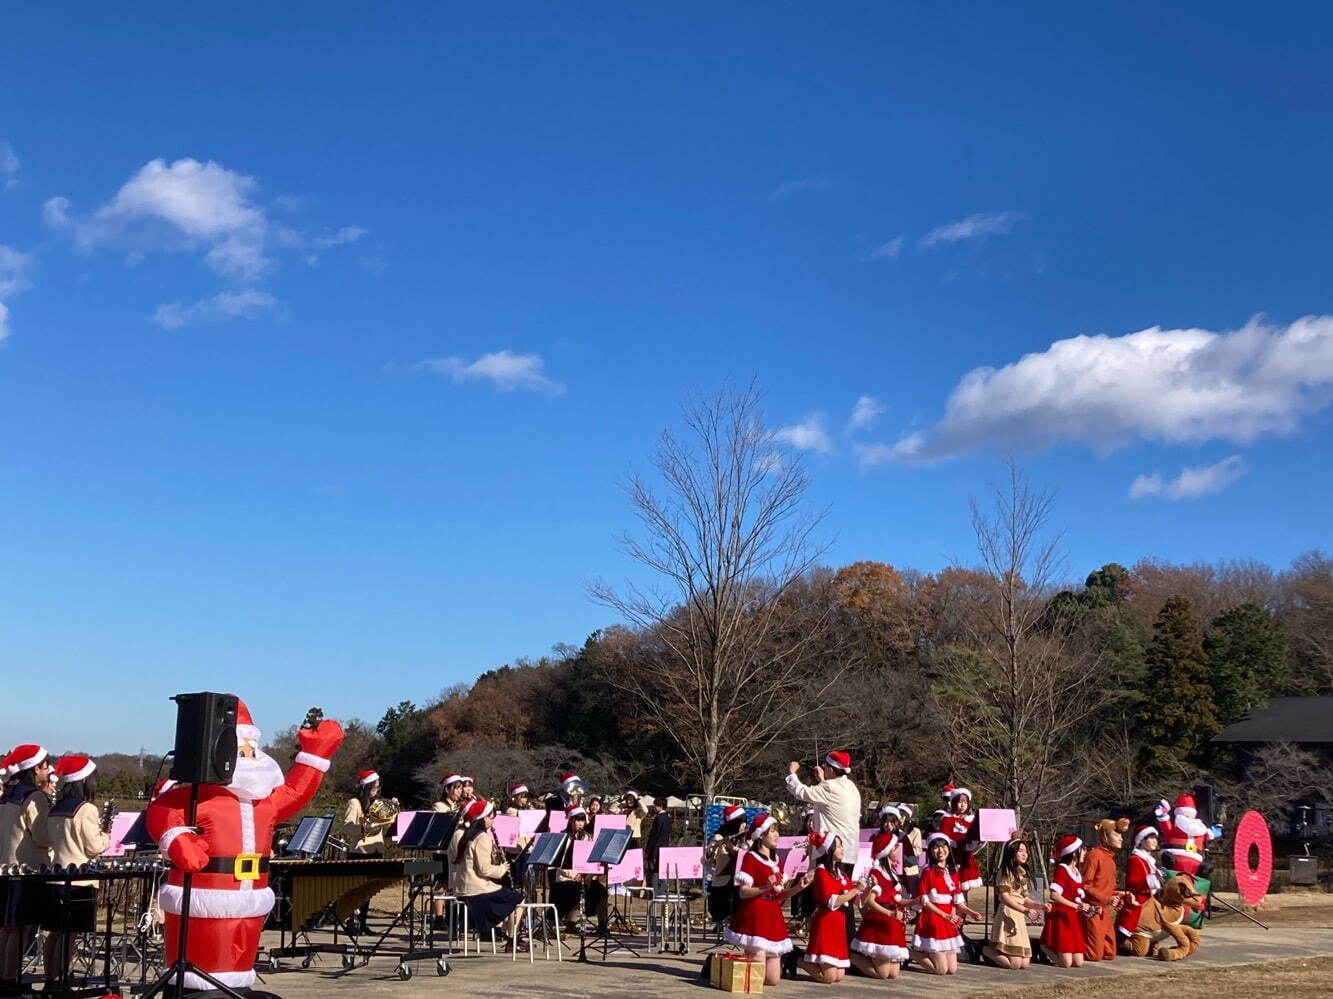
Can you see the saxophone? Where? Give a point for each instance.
(108, 813)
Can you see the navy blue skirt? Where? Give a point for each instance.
(486, 912)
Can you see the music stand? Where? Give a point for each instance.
(608, 850)
(137, 838)
(311, 834)
(411, 837)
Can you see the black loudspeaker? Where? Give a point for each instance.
(1205, 802)
(1087, 831)
(205, 738)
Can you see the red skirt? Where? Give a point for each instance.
(757, 925)
(969, 874)
(828, 938)
(881, 938)
(1063, 932)
(935, 933)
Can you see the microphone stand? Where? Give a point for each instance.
(182, 964)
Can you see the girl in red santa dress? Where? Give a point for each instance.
(1062, 937)
(826, 958)
(957, 825)
(1142, 880)
(938, 937)
(757, 926)
(880, 946)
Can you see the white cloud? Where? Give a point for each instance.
(189, 205)
(9, 166)
(791, 187)
(889, 250)
(13, 279)
(974, 227)
(1191, 482)
(504, 369)
(1176, 386)
(864, 414)
(247, 304)
(808, 435)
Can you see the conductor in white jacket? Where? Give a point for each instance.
(835, 799)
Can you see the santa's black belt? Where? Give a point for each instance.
(246, 867)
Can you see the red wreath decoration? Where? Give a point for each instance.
(1253, 882)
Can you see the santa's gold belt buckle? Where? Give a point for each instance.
(246, 867)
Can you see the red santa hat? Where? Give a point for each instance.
(959, 792)
(71, 768)
(568, 779)
(936, 837)
(1066, 845)
(574, 811)
(518, 788)
(163, 786)
(450, 779)
(881, 845)
(477, 810)
(1143, 832)
(1185, 805)
(891, 808)
(466, 779)
(761, 824)
(25, 757)
(839, 761)
(245, 725)
(4, 766)
(366, 777)
(907, 810)
(947, 791)
(732, 812)
(820, 843)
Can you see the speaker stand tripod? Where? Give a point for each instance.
(178, 968)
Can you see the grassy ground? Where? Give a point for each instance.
(1305, 978)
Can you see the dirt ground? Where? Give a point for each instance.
(1303, 978)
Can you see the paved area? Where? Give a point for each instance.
(670, 975)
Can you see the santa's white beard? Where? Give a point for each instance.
(255, 777)
(1189, 825)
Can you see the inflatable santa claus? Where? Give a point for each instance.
(1183, 835)
(228, 849)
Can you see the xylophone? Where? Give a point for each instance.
(312, 887)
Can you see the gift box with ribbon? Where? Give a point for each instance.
(737, 973)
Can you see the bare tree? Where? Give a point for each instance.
(729, 663)
(1015, 695)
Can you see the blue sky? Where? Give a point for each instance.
(260, 269)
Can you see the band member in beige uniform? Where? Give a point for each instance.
(23, 840)
(77, 837)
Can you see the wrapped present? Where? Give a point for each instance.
(737, 973)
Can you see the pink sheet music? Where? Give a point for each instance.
(794, 863)
(529, 819)
(558, 821)
(404, 820)
(684, 862)
(866, 835)
(605, 820)
(120, 825)
(863, 861)
(791, 842)
(997, 825)
(582, 847)
(505, 828)
(629, 869)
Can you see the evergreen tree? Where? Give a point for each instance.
(1178, 715)
(1247, 660)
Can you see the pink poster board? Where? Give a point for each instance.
(120, 826)
(558, 822)
(866, 835)
(629, 869)
(505, 828)
(684, 862)
(605, 820)
(791, 842)
(529, 819)
(998, 825)
(863, 862)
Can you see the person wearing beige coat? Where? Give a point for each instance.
(477, 869)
